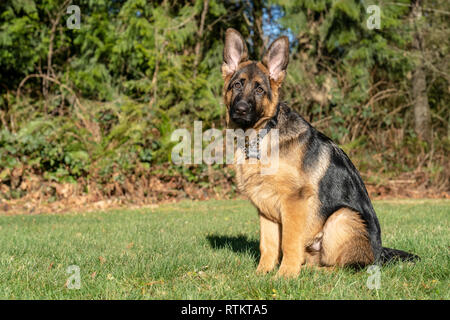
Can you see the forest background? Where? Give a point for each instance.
(86, 113)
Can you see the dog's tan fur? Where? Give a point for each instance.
(345, 240)
(288, 218)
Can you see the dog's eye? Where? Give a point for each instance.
(237, 85)
(259, 90)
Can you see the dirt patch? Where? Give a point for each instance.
(153, 189)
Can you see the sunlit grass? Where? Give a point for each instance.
(205, 250)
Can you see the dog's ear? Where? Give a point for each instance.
(276, 58)
(234, 52)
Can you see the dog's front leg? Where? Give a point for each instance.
(269, 244)
(293, 239)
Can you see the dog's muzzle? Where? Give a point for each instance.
(243, 114)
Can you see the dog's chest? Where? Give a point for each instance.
(267, 191)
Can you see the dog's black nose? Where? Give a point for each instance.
(242, 108)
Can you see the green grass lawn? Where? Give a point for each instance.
(205, 250)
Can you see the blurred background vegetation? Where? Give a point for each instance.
(88, 112)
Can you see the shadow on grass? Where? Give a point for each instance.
(238, 244)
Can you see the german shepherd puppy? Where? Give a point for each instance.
(315, 209)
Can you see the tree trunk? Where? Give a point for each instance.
(422, 116)
(198, 46)
(257, 37)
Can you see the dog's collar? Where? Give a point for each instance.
(253, 151)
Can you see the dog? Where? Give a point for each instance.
(315, 209)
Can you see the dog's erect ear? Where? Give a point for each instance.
(234, 52)
(276, 58)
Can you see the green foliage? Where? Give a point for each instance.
(101, 102)
(356, 81)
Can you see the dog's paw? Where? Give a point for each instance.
(288, 271)
(263, 269)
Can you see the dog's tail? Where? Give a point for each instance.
(389, 255)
